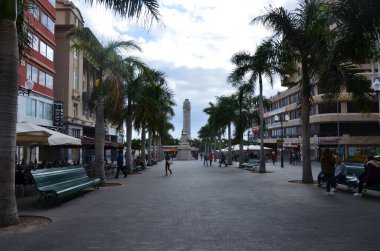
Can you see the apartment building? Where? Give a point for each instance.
(75, 81)
(38, 65)
(335, 123)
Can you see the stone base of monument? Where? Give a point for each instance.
(184, 153)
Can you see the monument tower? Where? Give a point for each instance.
(186, 117)
(184, 148)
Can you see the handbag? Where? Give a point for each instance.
(170, 162)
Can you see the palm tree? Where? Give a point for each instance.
(9, 73)
(214, 123)
(106, 59)
(153, 107)
(301, 32)
(256, 66)
(243, 115)
(9, 79)
(226, 111)
(353, 40)
(134, 81)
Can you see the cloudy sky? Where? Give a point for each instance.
(193, 47)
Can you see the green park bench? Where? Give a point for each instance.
(354, 170)
(251, 164)
(57, 183)
(137, 167)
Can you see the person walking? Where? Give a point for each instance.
(222, 159)
(328, 169)
(205, 159)
(274, 157)
(120, 165)
(168, 162)
(210, 158)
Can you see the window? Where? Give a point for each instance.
(34, 10)
(49, 53)
(43, 48)
(46, 79)
(46, 51)
(47, 22)
(45, 111)
(40, 109)
(48, 111)
(44, 19)
(52, 2)
(32, 72)
(327, 108)
(42, 78)
(75, 110)
(76, 133)
(75, 80)
(31, 108)
(49, 81)
(75, 53)
(50, 25)
(35, 40)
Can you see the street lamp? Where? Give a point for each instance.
(376, 87)
(277, 119)
(28, 87)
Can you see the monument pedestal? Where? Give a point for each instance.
(184, 149)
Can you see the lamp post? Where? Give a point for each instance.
(277, 119)
(376, 87)
(29, 84)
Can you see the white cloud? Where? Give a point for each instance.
(193, 48)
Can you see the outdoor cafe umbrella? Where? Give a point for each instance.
(31, 134)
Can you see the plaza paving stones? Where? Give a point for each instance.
(206, 208)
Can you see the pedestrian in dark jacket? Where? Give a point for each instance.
(328, 169)
(371, 174)
(222, 159)
(120, 165)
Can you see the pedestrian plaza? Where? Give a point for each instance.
(205, 208)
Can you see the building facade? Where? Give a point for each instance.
(335, 123)
(75, 81)
(38, 65)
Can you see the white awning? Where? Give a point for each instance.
(31, 134)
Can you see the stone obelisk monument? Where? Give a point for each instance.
(184, 148)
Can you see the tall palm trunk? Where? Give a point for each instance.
(149, 148)
(154, 143)
(143, 142)
(99, 140)
(159, 146)
(9, 73)
(261, 109)
(307, 175)
(229, 145)
(220, 145)
(241, 151)
(128, 154)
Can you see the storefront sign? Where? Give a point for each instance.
(58, 114)
(327, 141)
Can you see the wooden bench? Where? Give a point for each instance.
(252, 164)
(351, 181)
(56, 183)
